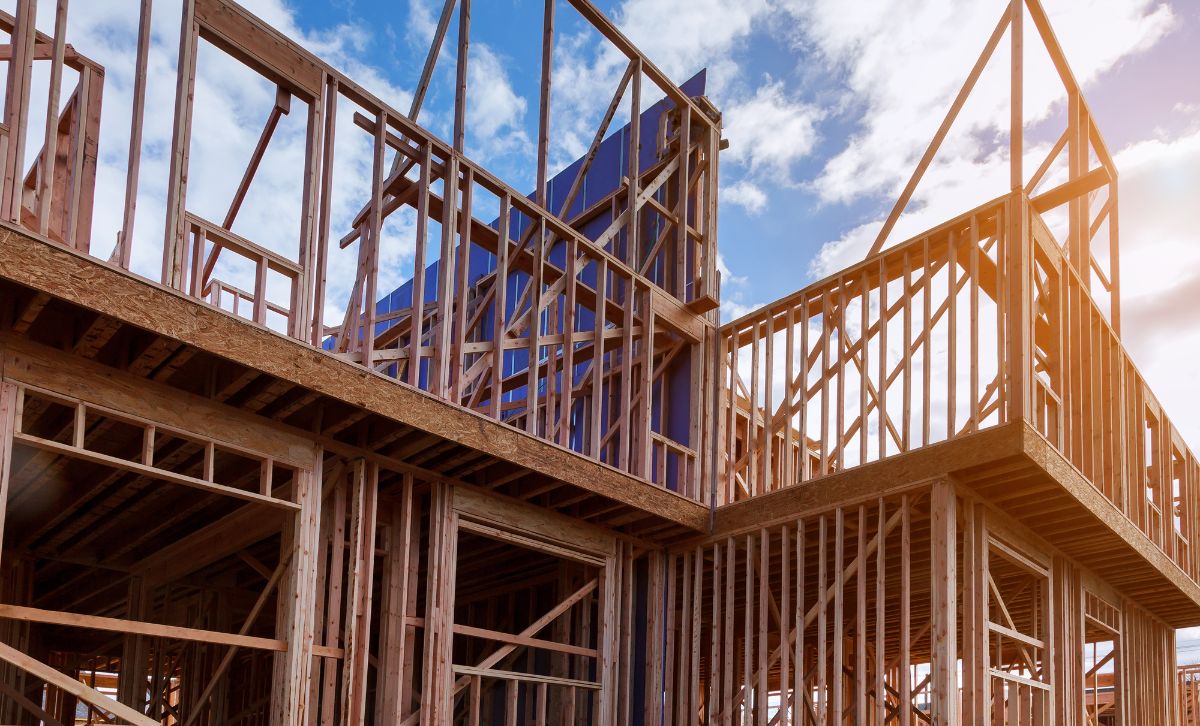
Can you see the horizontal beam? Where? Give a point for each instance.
(1063, 193)
(261, 47)
(155, 403)
(135, 627)
(108, 290)
(868, 482)
(150, 472)
(73, 686)
(473, 632)
(463, 670)
(503, 535)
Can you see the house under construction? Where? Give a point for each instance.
(541, 483)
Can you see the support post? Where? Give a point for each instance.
(364, 488)
(1079, 244)
(541, 195)
(123, 253)
(174, 242)
(975, 615)
(131, 684)
(1017, 124)
(9, 423)
(396, 633)
(298, 600)
(16, 106)
(943, 616)
(460, 92)
(1018, 250)
(438, 682)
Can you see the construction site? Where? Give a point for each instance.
(540, 481)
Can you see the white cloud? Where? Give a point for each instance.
(902, 70)
(733, 308)
(586, 74)
(682, 36)
(1187, 109)
(421, 25)
(767, 127)
(1160, 222)
(495, 112)
(678, 36)
(961, 184)
(727, 276)
(746, 195)
(769, 131)
(734, 290)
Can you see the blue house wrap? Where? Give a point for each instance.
(604, 176)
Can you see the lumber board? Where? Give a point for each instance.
(118, 625)
(107, 290)
(81, 691)
(872, 480)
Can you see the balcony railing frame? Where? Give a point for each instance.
(1048, 355)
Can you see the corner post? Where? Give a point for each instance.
(1017, 121)
(1018, 252)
